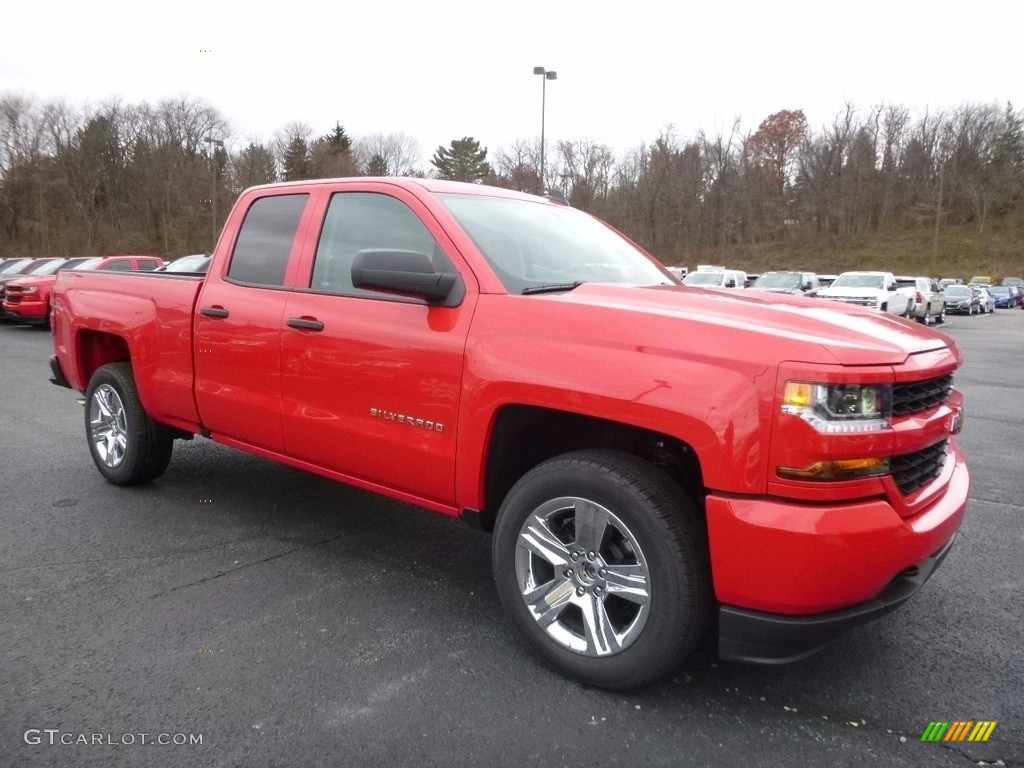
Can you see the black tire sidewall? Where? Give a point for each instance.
(680, 602)
(146, 454)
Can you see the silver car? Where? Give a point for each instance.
(986, 300)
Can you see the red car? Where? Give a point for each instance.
(27, 298)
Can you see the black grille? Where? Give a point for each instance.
(912, 470)
(919, 396)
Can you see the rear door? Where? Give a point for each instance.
(238, 321)
(371, 380)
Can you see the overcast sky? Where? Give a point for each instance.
(444, 69)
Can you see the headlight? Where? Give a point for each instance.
(839, 407)
(29, 289)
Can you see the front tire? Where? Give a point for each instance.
(127, 446)
(602, 563)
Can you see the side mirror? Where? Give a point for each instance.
(409, 272)
(730, 283)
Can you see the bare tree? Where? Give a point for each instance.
(399, 152)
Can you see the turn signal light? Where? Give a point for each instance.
(837, 469)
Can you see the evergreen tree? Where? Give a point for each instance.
(377, 165)
(338, 140)
(296, 160)
(464, 160)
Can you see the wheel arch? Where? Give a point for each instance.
(524, 436)
(95, 349)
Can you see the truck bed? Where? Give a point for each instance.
(152, 313)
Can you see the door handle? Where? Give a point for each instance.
(305, 324)
(213, 312)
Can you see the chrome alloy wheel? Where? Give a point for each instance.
(107, 425)
(583, 577)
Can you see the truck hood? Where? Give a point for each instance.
(801, 329)
(28, 282)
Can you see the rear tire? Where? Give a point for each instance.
(602, 564)
(127, 446)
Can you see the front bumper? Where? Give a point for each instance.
(788, 569)
(766, 638)
(26, 311)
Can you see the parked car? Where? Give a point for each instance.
(27, 298)
(196, 264)
(1016, 282)
(949, 281)
(726, 278)
(1006, 296)
(797, 283)
(961, 300)
(980, 280)
(929, 305)
(986, 300)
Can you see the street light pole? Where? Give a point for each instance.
(214, 143)
(545, 76)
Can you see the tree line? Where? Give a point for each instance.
(158, 178)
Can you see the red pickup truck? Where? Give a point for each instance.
(27, 299)
(654, 460)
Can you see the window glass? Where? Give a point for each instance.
(14, 266)
(148, 265)
(359, 220)
(265, 240)
(116, 266)
(533, 244)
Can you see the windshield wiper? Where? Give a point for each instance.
(553, 288)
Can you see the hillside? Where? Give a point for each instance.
(962, 252)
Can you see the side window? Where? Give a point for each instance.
(360, 220)
(147, 265)
(265, 240)
(117, 266)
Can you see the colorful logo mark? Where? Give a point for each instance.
(958, 730)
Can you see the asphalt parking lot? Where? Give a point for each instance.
(285, 620)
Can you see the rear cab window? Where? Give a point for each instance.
(265, 240)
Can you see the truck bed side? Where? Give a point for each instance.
(145, 317)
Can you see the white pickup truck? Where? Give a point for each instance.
(871, 289)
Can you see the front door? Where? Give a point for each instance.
(371, 381)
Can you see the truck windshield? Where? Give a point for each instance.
(704, 278)
(532, 245)
(778, 280)
(50, 267)
(859, 281)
